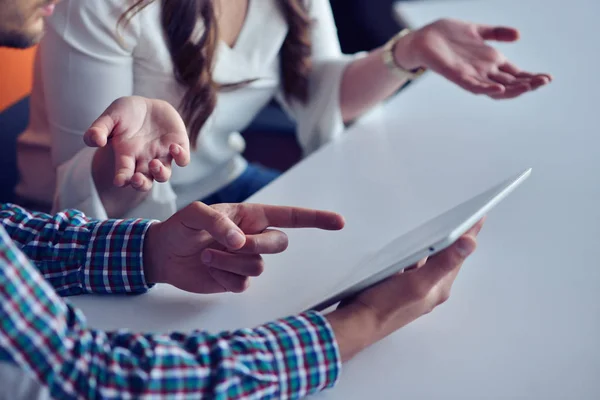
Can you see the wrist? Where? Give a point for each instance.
(152, 261)
(406, 52)
(355, 328)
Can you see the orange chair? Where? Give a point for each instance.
(16, 67)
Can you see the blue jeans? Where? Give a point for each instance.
(254, 178)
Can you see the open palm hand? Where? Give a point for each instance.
(146, 136)
(459, 51)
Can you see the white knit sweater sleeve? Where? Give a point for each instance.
(86, 64)
(320, 119)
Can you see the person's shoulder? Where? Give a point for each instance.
(105, 13)
(110, 22)
(99, 8)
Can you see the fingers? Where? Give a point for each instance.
(478, 86)
(126, 175)
(98, 133)
(515, 86)
(159, 171)
(503, 78)
(417, 265)
(124, 170)
(179, 154)
(534, 80)
(231, 282)
(239, 264)
(513, 91)
(141, 182)
(498, 33)
(438, 274)
(296, 217)
(513, 70)
(449, 260)
(270, 241)
(198, 216)
(472, 232)
(540, 80)
(475, 229)
(504, 83)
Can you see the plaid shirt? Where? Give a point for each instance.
(46, 336)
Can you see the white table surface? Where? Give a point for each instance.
(524, 318)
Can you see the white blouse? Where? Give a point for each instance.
(85, 63)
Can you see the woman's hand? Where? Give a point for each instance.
(143, 137)
(458, 51)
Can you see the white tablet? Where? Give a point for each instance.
(426, 240)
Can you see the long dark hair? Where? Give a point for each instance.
(193, 58)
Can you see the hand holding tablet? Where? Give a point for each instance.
(426, 240)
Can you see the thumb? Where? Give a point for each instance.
(101, 129)
(498, 33)
(198, 216)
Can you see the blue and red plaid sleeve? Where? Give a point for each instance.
(286, 359)
(77, 255)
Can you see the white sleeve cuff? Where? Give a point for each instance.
(76, 189)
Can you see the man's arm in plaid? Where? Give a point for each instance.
(77, 255)
(39, 332)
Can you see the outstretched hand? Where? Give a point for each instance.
(146, 136)
(459, 51)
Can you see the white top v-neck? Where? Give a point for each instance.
(84, 65)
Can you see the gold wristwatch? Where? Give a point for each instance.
(390, 61)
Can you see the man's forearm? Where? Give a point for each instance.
(289, 358)
(355, 329)
(77, 255)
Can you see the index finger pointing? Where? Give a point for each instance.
(296, 217)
